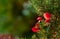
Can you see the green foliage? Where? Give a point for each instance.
(46, 5)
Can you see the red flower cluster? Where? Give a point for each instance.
(39, 18)
(47, 17)
(34, 29)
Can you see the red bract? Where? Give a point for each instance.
(39, 18)
(47, 21)
(35, 29)
(47, 15)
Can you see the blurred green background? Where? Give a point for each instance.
(17, 17)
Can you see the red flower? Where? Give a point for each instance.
(35, 29)
(39, 18)
(47, 21)
(47, 16)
